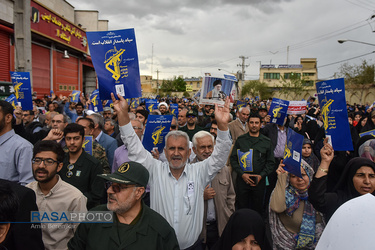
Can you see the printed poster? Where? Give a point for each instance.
(173, 109)
(22, 89)
(157, 127)
(370, 132)
(216, 88)
(87, 144)
(293, 153)
(96, 104)
(278, 111)
(12, 100)
(332, 102)
(245, 160)
(297, 107)
(75, 96)
(151, 104)
(115, 58)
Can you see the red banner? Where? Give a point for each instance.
(55, 27)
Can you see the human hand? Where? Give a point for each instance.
(209, 193)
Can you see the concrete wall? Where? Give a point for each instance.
(102, 25)
(88, 19)
(6, 11)
(61, 7)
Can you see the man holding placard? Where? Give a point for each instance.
(176, 187)
(252, 159)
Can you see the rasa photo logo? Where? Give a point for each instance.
(72, 217)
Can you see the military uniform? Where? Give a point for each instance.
(263, 162)
(149, 230)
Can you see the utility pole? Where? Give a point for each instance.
(22, 36)
(243, 69)
(157, 81)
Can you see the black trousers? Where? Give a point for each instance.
(212, 235)
(250, 197)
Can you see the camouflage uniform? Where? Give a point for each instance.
(99, 153)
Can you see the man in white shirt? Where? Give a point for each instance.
(53, 194)
(176, 187)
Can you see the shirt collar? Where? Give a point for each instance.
(6, 136)
(99, 136)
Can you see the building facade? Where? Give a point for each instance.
(60, 59)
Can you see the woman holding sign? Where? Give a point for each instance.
(293, 220)
(357, 178)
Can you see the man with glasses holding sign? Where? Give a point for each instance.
(176, 187)
(81, 169)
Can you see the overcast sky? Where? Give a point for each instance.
(192, 37)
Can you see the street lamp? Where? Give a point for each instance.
(354, 41)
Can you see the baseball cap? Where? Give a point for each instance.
(129, 173)
(191, 112)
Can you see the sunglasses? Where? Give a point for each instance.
(191, 116)
(117, 187)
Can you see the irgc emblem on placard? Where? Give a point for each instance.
(246, 160)
(156, 135)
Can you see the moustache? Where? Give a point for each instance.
(41, 171)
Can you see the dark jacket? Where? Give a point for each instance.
(151, 231)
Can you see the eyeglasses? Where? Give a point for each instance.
(190, 116)
(47, 161)
(117, 187)
(135, 127)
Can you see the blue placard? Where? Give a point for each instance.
(22, 89)
(135, 103)
(370, 132)
(278, 111)
(109, 103)
(51, 93)
(240, 104)
(157, 127)
(115, 58)
(293, 152)
(245, 160)
(173, 108)
(332, 104)
(96, 104)
(151, 104)
(87, 144)
(12, 100)
(75, 96)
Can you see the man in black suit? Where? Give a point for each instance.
(23, 235)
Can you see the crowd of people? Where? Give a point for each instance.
(219, 183)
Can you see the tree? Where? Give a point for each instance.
(255, 88)
(175, 85)
(293, 87)
(359, 76)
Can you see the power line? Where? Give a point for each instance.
(346, 60)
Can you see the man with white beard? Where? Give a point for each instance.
(176, 187)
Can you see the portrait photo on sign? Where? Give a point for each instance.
(215, 89)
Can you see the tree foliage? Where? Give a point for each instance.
(175, 85)
(358, 75)
(292, 87)
(255, 88)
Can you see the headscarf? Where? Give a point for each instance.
(241, 224)
(312, 160)
(309, 232)
(345, 185)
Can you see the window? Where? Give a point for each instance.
(271, 76)
(308, 74)
(292, 75)
(308, 83)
